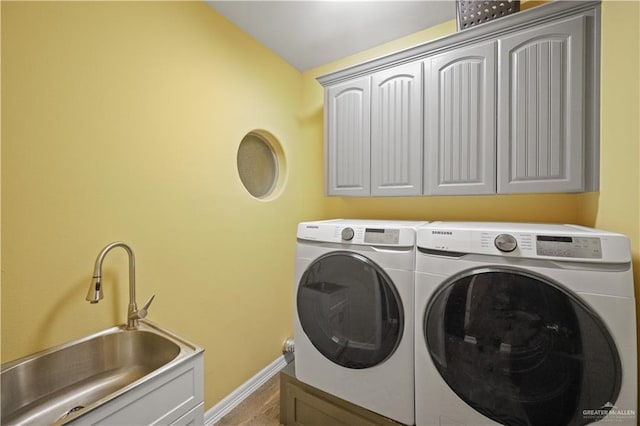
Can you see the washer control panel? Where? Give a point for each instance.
(534, 241)
(571, 247)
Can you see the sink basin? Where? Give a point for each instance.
(62, 383)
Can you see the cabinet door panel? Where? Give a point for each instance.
(460, 122)
(541, 109)
(348, 138)
(396, 135)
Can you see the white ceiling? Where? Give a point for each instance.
(310, 33)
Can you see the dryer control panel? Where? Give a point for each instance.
(551, 241)
(359, 232)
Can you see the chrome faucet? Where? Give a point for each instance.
(95, 293)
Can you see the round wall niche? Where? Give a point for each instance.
(261, 164)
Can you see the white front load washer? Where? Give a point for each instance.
(354, 305)
(524, 324)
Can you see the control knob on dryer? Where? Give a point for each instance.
(347, 234)
(505, 243)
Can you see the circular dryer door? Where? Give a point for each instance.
(350, 310)
(520, 349)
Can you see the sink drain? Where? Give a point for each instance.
(68, 413)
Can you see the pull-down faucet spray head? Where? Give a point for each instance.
(95, 293)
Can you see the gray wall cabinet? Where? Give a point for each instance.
(460, 123)
(396, 131)
(348, 140)
(510, 106)
(374, 134)
(541, 114)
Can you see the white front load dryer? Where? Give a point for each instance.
(524, 324)
(354, 304)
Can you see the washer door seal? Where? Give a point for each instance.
(520, 349)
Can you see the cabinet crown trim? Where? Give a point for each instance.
(518, 21)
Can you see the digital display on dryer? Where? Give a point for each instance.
(555, 239)
(381, 236)
(570, 247)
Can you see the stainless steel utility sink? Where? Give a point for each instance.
(59, 384)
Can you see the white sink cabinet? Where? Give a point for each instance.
(173, 397)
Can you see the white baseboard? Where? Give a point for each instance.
(231, 401)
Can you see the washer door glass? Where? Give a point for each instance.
(350, 310)
(521, 350)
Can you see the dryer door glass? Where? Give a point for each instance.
(521, 350)
(350, 310)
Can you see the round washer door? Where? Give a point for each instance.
(350, 310)
(520, 349)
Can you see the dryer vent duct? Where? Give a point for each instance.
(288, 347)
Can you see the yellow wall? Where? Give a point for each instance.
(617, 206)
(121, 121)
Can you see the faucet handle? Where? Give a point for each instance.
(143, 311)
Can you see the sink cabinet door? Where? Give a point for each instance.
(396, 131)
(541, 141)
(460, 124)
(194, 417)
(347, 138)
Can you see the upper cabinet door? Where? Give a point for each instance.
(348, 138)
(396, 134)
(460, 121)
(541, 109)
